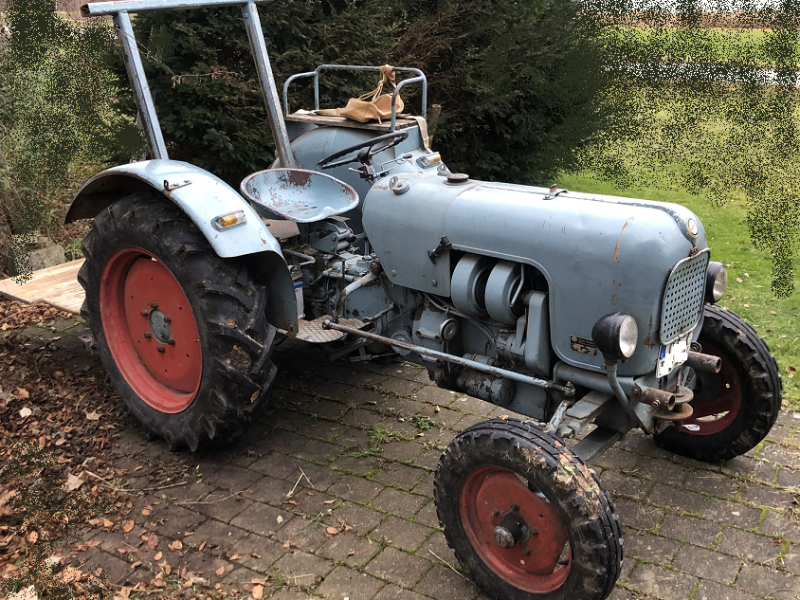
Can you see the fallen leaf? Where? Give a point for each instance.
(504, 417)
(436, 409)
(29, 593)
(258, 581)
(139, 468)
(351, 552)
(128, 527)
(136, 564)
(287, 544)
(791, 372)
(33, 537)
(292, 502)
(329, 502)
(146, 512)
(108, 523)
(773, 313)
(279, 519)
(70, 574)
(738, 280)
(23, 394)
(258, 592)
(158, 555)
(235, 557)
(332, 531)
(220, 571)
(255, 555)
(25, 412)
(73, 483)
(176, 545)
(52, 561)
(203, 545)
(152, 541)
(92, 416)
(167, 568)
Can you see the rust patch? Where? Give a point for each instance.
(298, 177)
(628, 222)
(616, 252)
(647, 341)
(613, 300)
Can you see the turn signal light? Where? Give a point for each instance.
(230, 220)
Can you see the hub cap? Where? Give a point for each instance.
(151, 330)
(717, 398)
(515, 531)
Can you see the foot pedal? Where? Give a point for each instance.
(313, 333)
(594, 443)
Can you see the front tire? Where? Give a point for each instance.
(566, 538)
(182, 332)
(733, 410)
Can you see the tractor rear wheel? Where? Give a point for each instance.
(182, 332)
(526, 516)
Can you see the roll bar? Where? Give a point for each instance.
(144, 98)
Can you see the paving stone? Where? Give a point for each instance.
(766, 581)
(625, 485)
(366, 398)
(400, 533)
(261, 519)
(791, 559)
(280, 441)
(779, 525)
(335, 391)
(116, 569)
(353, 438)
(347, 583)
(402, 504)
(638, 514)
(643, 444)
(446, 417)
(287, 419)
(781, 434)
(286, 593)
(731, 513)
(753, 547)
(302, 569)
(619, 593)
(662, 583)
(363, 419)
(204, 564)
(425, 485)
(358, 465)
(174, 519)
(305, 534)
(360, 518)
(441, 582)
(363, 378)
(467, 422)
(429, 459)
(709, 590)
(398, 567)
(268, 490)
(401, 406)
(664, 495)
(436, 545)
(788, 477)
(689, 529)
(650, 547)
(399, 475)
(392, 592)
(325, 430)
(715, 484)
(317, 451)
(222, 535)
(707, 564)
(766, 496)
(238, 578)
(326, 408)
(780, 455)
(357, 489)
(401, 451)
(339, 547)
(436, 395)
(427, 515)
(221, 505)
(663, 471)
(267, 552)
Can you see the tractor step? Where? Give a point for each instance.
(313, 332)
(57, 286)
(596, 442)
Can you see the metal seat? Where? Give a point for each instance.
(298, 195)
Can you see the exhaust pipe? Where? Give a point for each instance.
(704, 362)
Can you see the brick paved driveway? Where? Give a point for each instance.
(358, 444)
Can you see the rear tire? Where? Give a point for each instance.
(182, 332)
(734, 409)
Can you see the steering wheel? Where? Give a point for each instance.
(367, 149)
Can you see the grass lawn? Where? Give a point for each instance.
(749, 293)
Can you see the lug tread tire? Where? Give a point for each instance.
(228, 306)
(586, 508)
(762, 389)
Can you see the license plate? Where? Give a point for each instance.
(672, 355)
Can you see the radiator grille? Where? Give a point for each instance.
(683, 297)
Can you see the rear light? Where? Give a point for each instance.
(234, 219)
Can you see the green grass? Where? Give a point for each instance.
(707, 45)
(729, 240)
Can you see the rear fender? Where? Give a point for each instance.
(203, 197)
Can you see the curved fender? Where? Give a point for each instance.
(201, 195)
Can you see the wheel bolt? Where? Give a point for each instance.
(161, 349)
(515, 507)
(171, 341)
(154, 305)
(503, 537)
(527, 551)
(145, 313)
(168, 319)
(148, 335)
(495, 512)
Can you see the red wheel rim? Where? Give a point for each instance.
(711, 415)
(151, 330)
(533, 566)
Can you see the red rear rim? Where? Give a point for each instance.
(717, 399)
(151, 330)
(540, 564)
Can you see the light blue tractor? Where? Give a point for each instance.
(585, 313)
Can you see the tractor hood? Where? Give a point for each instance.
(599, 254)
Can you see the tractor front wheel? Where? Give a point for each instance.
(182, 332)
(526, 516)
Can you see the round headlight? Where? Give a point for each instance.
(616, 336)
(716, 281)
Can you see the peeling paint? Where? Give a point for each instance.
(616, 252)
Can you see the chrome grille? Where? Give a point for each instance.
(683, 297)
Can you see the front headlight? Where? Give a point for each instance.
(716, 281)
(616, 336)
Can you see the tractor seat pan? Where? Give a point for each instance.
(299, 195)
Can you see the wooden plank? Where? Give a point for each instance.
(57, 286)
(343, 122)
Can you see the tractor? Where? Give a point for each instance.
(590, 315)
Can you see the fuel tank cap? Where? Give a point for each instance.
(457, 178)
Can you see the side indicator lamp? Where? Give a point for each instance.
(229, 221)
(429, 160)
